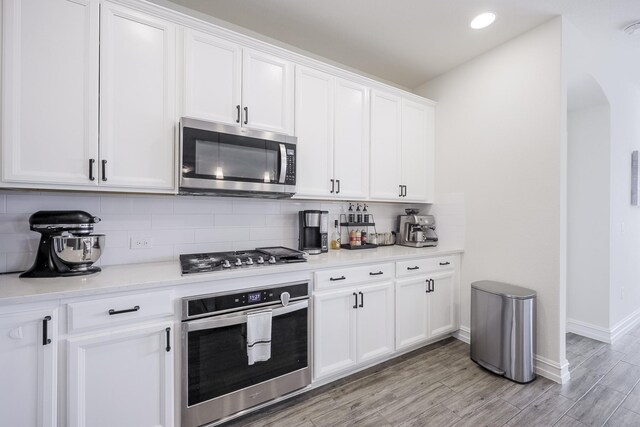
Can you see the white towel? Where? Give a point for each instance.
(259, 336)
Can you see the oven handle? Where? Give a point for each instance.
(283, 163)
(236, 319)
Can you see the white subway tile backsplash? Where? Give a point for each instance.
(181, 221)
(184, 224)
(238, 220)
(30, 203)
(220, 234)
(202, 205)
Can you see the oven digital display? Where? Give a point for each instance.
(255, 297)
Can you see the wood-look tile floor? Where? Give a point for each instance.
(440, 386)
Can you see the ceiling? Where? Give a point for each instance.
(408, 42)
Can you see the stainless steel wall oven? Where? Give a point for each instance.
(217, 380)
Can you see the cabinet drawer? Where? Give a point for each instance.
(424, 265)
(351, 275)
(112, 311)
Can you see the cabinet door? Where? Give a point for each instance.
(28, 369)
(50, 91)
(441, 305)
(386, 146)
(334, 331)
(267, 92)
(411, 312)
(375, 321)
(417, 151)
(212, 78)
(137, 87)
(122, 378)
(314, 129)
(351, 140)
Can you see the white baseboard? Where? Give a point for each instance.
(463, 334)
(589, 330)
(544, 367)
(604, 334)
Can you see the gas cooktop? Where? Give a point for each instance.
(221, 261)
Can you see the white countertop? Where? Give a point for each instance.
(129, 277)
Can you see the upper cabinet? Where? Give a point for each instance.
(58, 71)
(137, 100)
(228, 84)
(50, 91)
(332, 126)
(402, 149)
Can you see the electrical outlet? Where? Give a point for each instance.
(141, 243)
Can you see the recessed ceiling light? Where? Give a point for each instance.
(483, 20)
(633, 29)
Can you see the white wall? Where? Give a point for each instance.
(588, 212)
(499, 141)
(177, 224)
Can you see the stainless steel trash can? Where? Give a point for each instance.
(503, 329)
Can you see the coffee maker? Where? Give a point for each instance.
(67, 247)
(313, 231)
(417, 231)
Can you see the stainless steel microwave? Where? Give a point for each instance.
(219, 159)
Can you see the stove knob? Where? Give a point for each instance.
(272, 260)
(238, 262)
(226, 264)
(260, 260)
(249, 261)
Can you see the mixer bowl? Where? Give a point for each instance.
(79, 252)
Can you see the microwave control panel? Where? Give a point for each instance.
(290, 176)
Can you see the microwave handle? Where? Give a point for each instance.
(237, 319)
(283, 163)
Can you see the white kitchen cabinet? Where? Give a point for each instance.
(137, 100)
(267, 92)
(212, 78)
(425, 307)
(28, 365)
(50, 91)
(332, 127)
(417, 162)
(402, 149)
(352, 326)
(122, 378)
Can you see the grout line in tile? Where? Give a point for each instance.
(622, 401)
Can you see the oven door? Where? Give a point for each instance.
(229, 158)
(217, 380)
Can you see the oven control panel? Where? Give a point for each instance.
(213, 304)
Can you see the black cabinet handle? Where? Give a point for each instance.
(338, 190)
(246, 115)
(168, 331)
(400, 195)
(332, 186)
(128, 310)
(45, 334)
(428, 288)
(375, 274)
(238, 113)
(404, 193)
(361, 299)
(415, 267)
(445, 263)
(104, 170)
(355, 301)
(430, 285)
(335, 279)
(91, 177)
(433, 285)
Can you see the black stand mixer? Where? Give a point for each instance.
(67, 247)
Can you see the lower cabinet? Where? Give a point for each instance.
(122, 378)
(28, 365)
(425, 307)
(352, 325)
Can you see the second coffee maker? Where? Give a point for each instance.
(313, 231)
